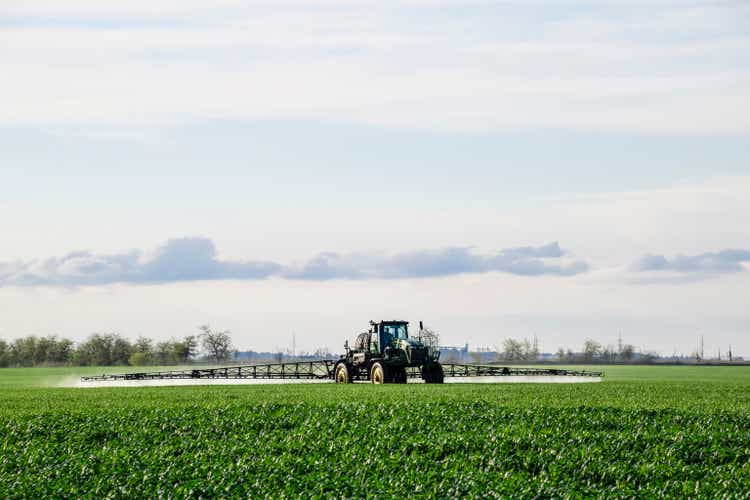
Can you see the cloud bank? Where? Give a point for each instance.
(524, 261)
(504, 66)
(709, 263)
(195, 259)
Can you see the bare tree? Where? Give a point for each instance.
(217, 344)
(526, 349)
(560, 354)
(512, 349)
(533, 354)
(591, 349)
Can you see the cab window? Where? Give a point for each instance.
(394, 332)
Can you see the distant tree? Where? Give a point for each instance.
(143, 345)
(560, 354)
(163, 353)
(121, 350)
(60, 352)
(5, 355)
(512, 349)
(591, 349)
(23, 351)
(533, 353)
(138, 358)
(176, 351)
(648, 357)
(93, 351)
(520, 350)
(42, 348)
(628, 351)
(36, 351)
(103, 350)
(527, 351)
(609, 354)
(189, 347)
(218, 345)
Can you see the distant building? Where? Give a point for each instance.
(459, 354)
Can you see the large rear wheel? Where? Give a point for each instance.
(399, 376)
(433, 374)
(343, 376)
(377, 373)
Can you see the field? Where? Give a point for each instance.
(644, 431)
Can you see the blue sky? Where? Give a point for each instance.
(272, 167)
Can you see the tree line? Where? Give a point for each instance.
(591, 352)
(110, 349)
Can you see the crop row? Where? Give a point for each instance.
(439, 448)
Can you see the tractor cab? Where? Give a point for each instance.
(388, 333)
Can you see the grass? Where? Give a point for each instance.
(644, 431)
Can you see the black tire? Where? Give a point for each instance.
(399, 376)
(433, 374)
(378, 374)
(342, 374)
(438, 376)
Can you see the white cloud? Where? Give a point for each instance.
(196, 259)
(346, 62)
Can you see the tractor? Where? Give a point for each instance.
(384, 352)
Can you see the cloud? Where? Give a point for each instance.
(182, 259)
(500, 68)
(195, 259)
(709, 263)
(525, 261)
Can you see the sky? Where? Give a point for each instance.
(559, 169)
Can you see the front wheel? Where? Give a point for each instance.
(377, 374)
(342, 374)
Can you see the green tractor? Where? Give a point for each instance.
(384, 352)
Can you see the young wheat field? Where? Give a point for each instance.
(643, 431)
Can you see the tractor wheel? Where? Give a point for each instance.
(438, 374)
(433, 374)
(378, 374)
(342, 374)
(399, 376)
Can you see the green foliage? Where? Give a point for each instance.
(5, 354)
(35, 351)
(99, 350)
(103, 350)
(635, 435)
(138, 358)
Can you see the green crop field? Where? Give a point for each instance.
(644, 431)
